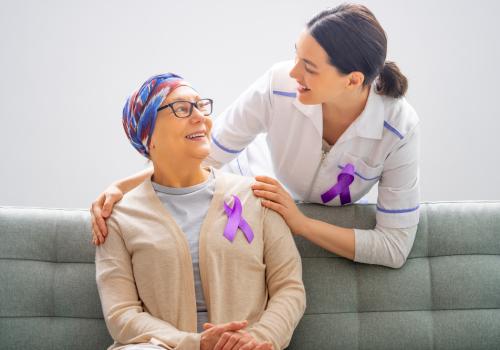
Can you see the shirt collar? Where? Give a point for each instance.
(369, 124)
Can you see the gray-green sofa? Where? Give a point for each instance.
(447, 296)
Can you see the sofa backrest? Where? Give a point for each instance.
(446, 296)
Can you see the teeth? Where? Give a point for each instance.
(192, 136)
(303, 87)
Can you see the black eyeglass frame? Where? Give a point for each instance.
(192, 105)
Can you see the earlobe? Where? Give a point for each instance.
(356, 79)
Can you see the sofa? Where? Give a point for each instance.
(446, 296)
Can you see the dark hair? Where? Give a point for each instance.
(356, 42)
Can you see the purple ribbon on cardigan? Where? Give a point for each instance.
(236, 220)
(344, 180)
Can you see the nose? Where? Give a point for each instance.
(295, 70)
(197, 116)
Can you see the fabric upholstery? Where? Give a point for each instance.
(446, 296)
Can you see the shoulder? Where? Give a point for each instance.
(234, 183)
(280, 81)
(237, 185)
(401, 119)
(135, 204)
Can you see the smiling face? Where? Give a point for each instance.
(317, 80)
(180, 139)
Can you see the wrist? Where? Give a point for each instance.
(122, 186)
(304, 227)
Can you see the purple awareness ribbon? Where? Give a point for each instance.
(344, 180)
(236, 220)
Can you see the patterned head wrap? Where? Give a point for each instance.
(139, 113)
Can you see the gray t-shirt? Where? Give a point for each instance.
(188, 206)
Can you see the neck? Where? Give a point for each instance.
(185, 173)
(347, 108)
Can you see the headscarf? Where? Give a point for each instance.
(139, 112)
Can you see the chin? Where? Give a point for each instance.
(307, 99)
(202, 153)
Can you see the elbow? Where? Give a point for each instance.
(397, 244)
(397, 259)
(302, 305)
(398, 263)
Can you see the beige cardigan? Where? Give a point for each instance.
(145, 277)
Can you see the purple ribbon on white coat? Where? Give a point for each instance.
(341, 188)
(235, 220)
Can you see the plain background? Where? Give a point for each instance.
(66, 68)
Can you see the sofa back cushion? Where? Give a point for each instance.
(446, 296)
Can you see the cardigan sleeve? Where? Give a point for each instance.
(287, 300)
(125, 317)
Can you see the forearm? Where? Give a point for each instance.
(123, 310)
(131, 182)
(381, 246)
(133, 325)
(283, 312)
(338, 240)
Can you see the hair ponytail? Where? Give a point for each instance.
(391, 82)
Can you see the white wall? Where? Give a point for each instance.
(67, 66)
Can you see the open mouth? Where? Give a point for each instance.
(302, 88)
(197, 136)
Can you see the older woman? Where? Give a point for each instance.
(192, 259)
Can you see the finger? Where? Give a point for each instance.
(241, 342)
(96, 234)
(249, 346)
(275, 197)
(264, 346)
(107, 206)
(265, 187)
(208, 325)
(267, 179)
(232, 326)
(280, 209)
(94, 240)
(94, 227)
(224, 338)
(232, 341)
(101, 223)
(96, 214)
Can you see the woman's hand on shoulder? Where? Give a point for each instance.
(100, 210)
(274, 196)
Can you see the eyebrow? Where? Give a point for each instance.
(309, 63)
(306, 60)
(185, 98)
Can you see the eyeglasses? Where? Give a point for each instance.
(183, 109)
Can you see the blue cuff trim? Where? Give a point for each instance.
(284, 93)
(361, 176)
(224, 148)
(397, 211)
(393, 130)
